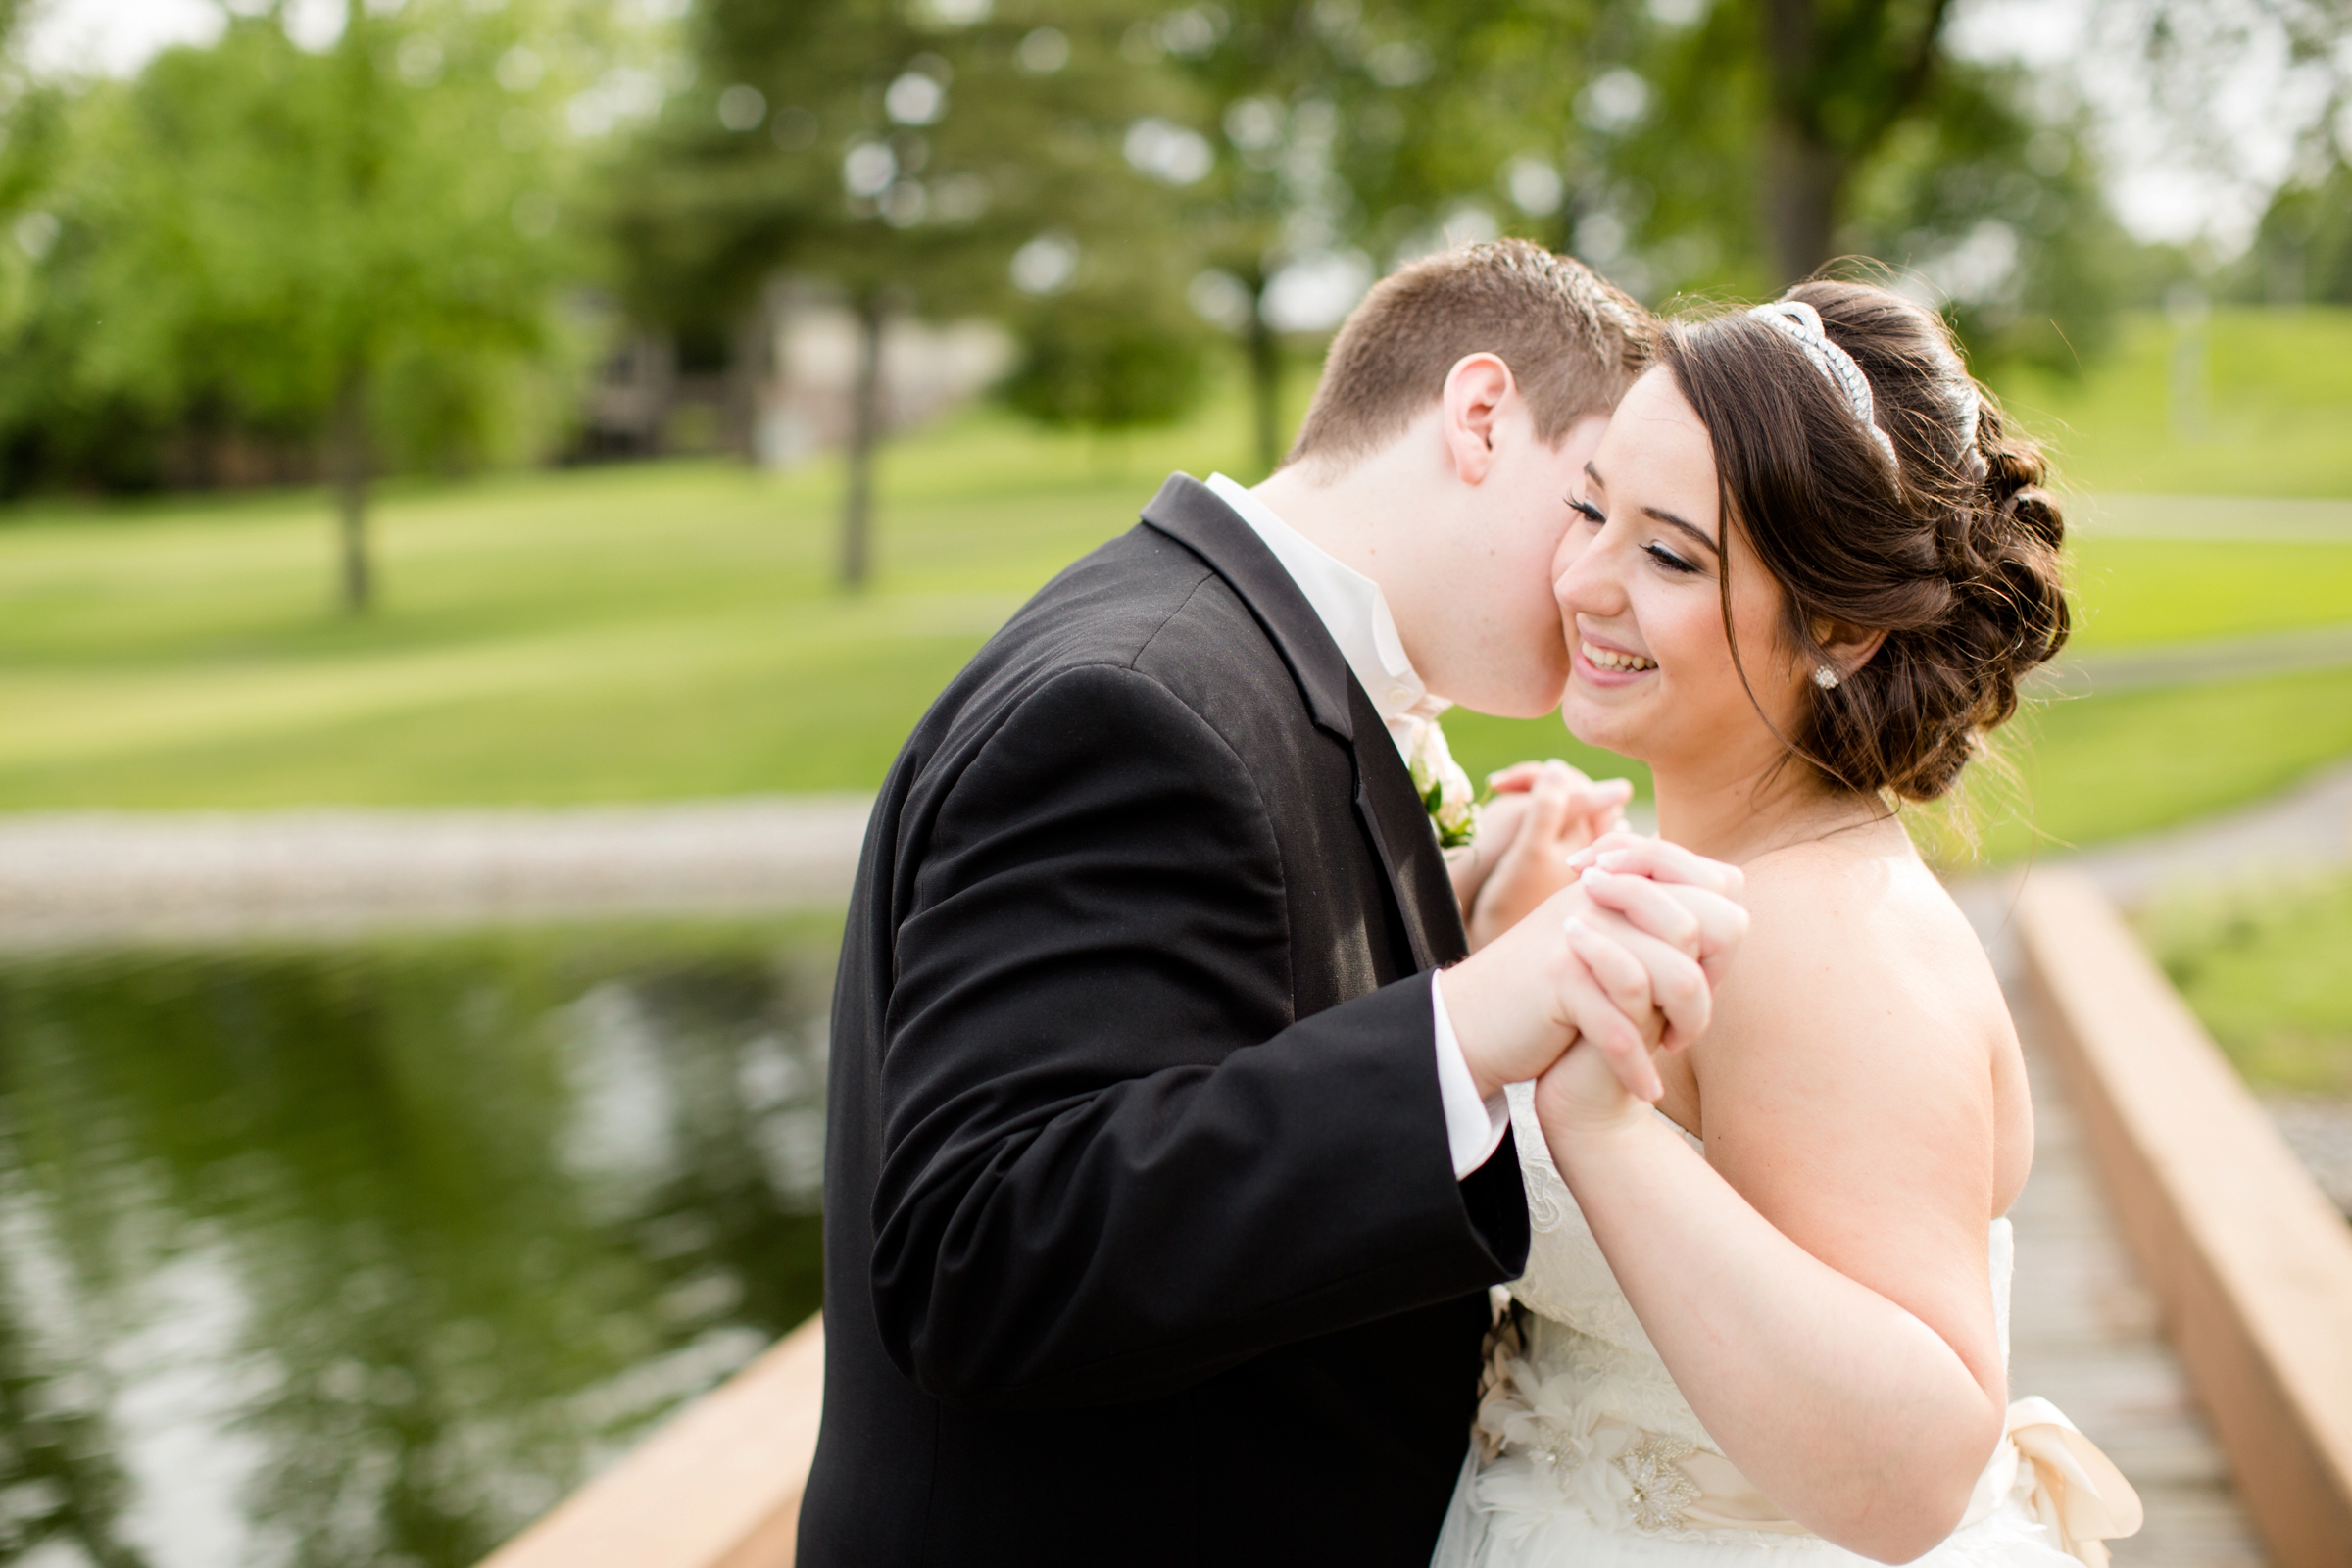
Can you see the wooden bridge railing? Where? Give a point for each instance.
(717, 1487)
(2250, 1265)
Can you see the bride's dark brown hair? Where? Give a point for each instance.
(1955, 555)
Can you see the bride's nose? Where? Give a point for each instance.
(1588, 582)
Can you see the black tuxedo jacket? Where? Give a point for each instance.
(1142, 1243)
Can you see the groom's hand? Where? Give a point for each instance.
(1559, 812)
(1624, 958)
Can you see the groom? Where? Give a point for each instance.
(1163, 1187)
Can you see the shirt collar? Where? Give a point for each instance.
(1352, 608)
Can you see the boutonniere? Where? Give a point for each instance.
(1444, 787)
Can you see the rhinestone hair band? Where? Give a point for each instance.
(1800, 324)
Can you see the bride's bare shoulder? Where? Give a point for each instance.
(1859, 1074)
(1864, 900)
(1856, 955)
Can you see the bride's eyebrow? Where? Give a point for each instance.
(1692, 529)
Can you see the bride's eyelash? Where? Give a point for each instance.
(1668, 558)
(1587, 511)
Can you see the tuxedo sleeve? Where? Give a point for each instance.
(1114, 1162)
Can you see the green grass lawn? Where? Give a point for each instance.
(2111, 766)
(668, 630)
(2131, 592)
(2276, 417)
(2265, 969)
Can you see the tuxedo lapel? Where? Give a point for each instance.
(1393, 809)
(1390, 808)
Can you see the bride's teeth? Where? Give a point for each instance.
(1610, 659)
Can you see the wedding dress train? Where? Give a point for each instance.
(1587, 1455)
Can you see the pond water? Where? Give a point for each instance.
(367, 1255)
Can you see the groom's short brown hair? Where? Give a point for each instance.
(1574, 344)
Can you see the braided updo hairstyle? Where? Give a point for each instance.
(1955, 554)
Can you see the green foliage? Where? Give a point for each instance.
(2001, 214)
(1106, 363)
(917, 199)
(2303, 251)
(1748, 165)
(243, 230)
(2263, 967)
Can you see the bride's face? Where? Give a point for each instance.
(1638, 580)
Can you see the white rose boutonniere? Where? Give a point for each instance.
(1444, 787)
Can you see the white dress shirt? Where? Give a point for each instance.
(1355, 612)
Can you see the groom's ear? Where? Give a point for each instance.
(1477, 390)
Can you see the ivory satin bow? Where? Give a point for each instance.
(2073, 1489)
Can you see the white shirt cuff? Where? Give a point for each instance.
(1473, 1127)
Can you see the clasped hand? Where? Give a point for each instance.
(1622, 961)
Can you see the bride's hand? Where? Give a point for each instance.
(1585, 1094)
(1631, 973)
(1559, 812)
(1712, 891)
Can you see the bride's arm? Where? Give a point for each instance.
(1818, 1283)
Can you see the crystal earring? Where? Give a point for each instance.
(1824, 677)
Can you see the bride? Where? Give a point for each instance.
(1766, 1318)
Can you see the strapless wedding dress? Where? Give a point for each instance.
(1587, 1455)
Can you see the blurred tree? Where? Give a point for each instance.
(1733, 116)
(1328, 138)
(923, 159)
(2302, 252)
(1739, 148)
(1842, 75)
(255, 238)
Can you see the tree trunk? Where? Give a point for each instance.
(865, 432)
(1803, 172)
(1266, 385)
(347, 460)
(1803, 180)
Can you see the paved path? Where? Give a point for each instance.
(2106, 672)
(2268, 517)
(108, 879)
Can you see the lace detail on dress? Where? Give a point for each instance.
(1567, 1279)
